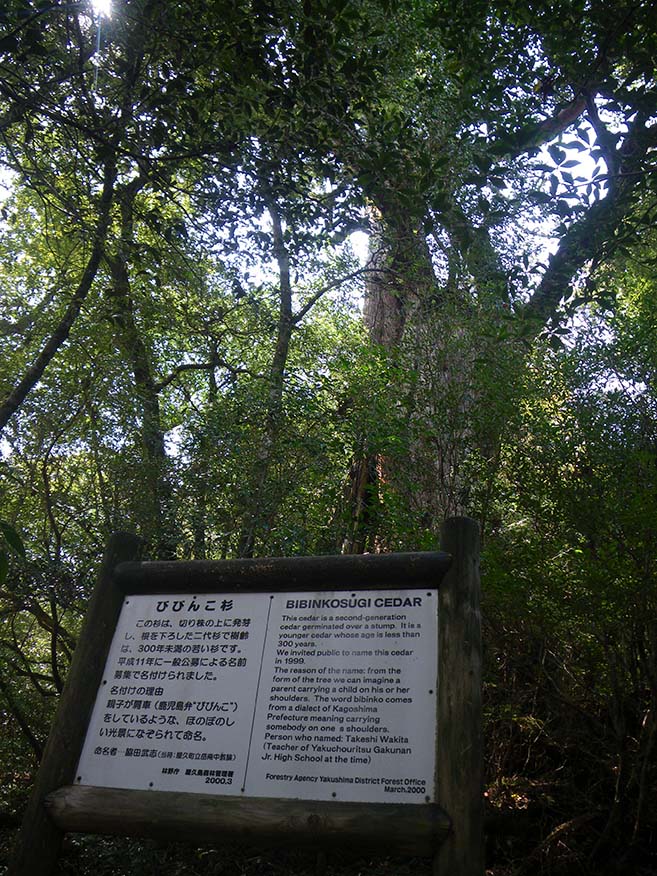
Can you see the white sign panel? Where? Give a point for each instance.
(318, 696)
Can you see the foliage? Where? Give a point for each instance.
(10, 542)
(570, 573)
(190, 348)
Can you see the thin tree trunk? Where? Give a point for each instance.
(361, 501)
(60, 335)
(257, 507)
(155, 498)
(21, 720)
(202, 489)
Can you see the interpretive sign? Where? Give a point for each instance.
(291, 701)
(325, 695)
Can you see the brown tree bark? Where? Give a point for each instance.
(155, 492)
(256, 510)
(400, 282)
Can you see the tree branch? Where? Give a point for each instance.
(201, 366)
(334, 284)
(34, 373)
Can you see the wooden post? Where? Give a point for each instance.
(38, 843)
(459, 765)
(320, 824)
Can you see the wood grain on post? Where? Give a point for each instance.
(411, 829)
(459, 765)
(38, 843)
(331, 572)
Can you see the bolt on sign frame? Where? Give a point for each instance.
(444, 822)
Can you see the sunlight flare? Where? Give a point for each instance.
(102, 7)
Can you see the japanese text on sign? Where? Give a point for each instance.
(296, 695)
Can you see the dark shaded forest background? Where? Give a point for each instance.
(308, 277)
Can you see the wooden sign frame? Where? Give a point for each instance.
(451, 831)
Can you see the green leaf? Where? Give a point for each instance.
(557, 154)
(12, 538)
(584, 133)
(8, 44)
(4, 566)
(539, 197)
(575, 144)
